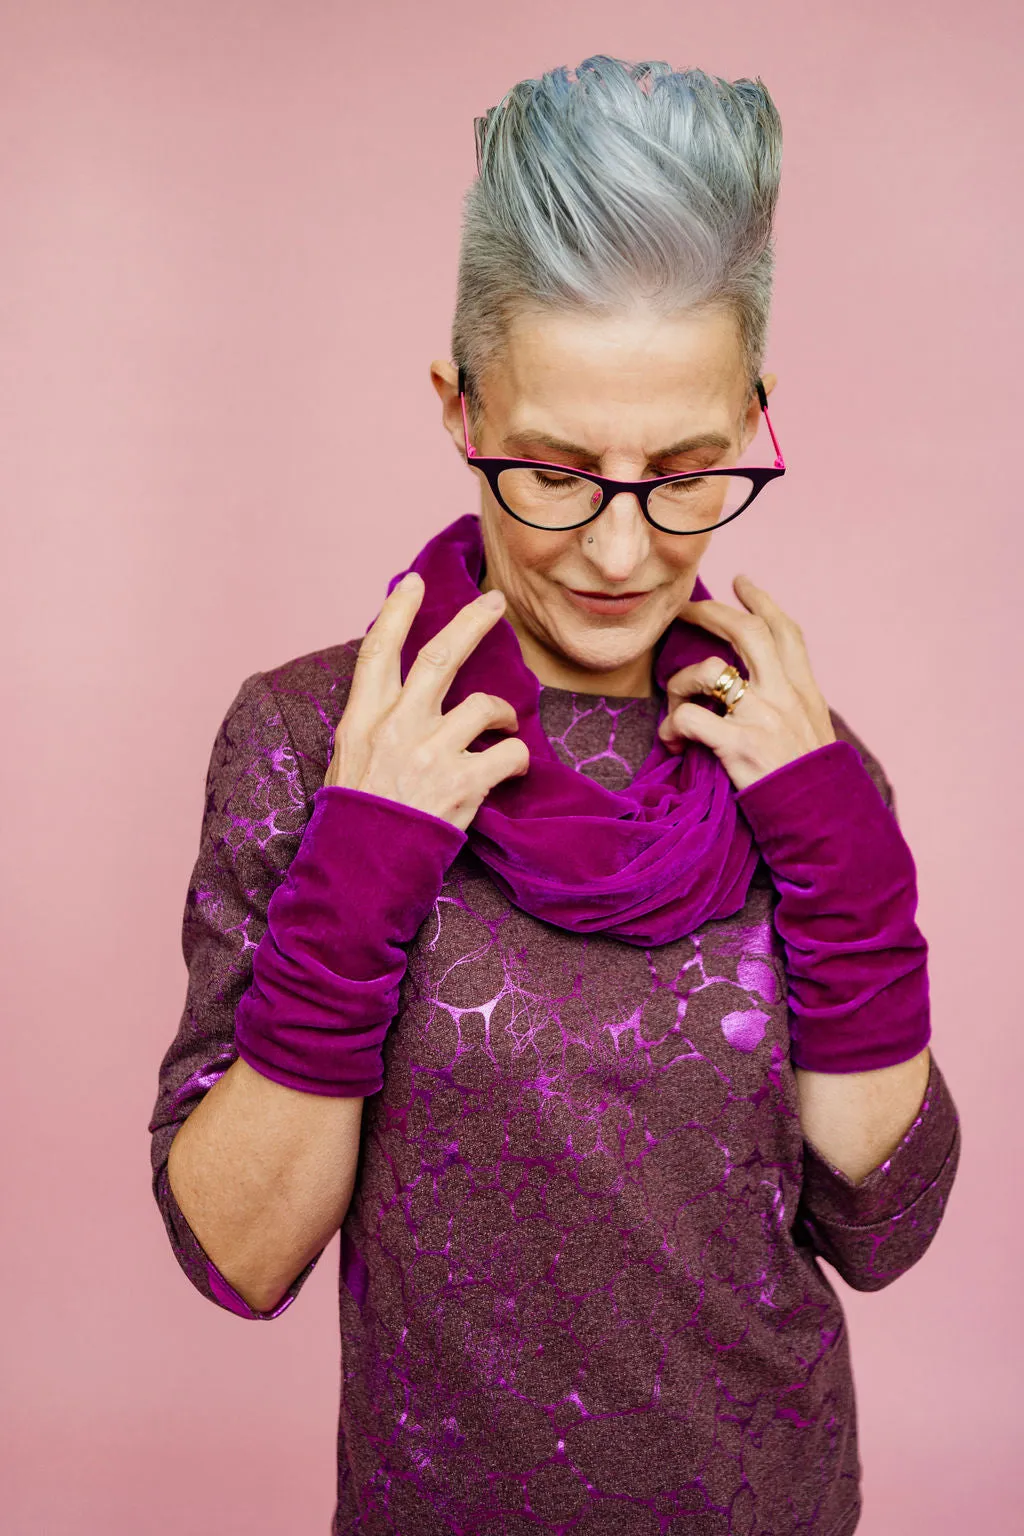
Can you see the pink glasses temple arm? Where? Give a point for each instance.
(780, 462)
(470, 450)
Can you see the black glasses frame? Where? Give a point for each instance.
(492, 468)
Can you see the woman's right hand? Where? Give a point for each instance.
(393, 741)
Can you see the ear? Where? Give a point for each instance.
(445, 378)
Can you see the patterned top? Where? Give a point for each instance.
(580, 1286)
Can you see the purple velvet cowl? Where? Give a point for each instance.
(648, 864)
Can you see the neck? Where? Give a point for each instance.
(553, 670)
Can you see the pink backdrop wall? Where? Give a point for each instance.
(228, 235)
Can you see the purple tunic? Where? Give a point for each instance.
(580, 1289)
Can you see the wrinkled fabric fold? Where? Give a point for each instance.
(856, 961)
(647, 865)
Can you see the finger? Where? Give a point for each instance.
(433, 671)
(377, 677)
(700, 677)
(788, 636)
(482, 771)
(747, 633)
(692, 722)
(468, 720)
(505, 760)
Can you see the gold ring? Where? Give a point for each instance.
(729, 678)
(743, 688)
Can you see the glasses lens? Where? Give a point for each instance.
(685, 506)
(549, 498)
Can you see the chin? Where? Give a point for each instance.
(604, 647)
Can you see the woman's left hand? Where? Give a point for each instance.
(781, 715)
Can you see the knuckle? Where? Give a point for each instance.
(435, 656)
(371, 645)
(419, 758)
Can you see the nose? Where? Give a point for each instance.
(621, 538)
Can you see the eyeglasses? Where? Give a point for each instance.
(558, 497)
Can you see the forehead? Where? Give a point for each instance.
(580, 372)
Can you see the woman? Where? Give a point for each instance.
(556, 941)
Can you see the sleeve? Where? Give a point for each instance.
(255, 812)
(328, 969)
(872, 1232)
(856, 961)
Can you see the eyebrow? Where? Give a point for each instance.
(573, 450)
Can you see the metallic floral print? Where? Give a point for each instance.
(579, 1284)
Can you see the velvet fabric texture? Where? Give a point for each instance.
(647, 864)
(856, 961)
(327, 972)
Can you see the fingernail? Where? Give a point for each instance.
(494, 600)
(408, 580)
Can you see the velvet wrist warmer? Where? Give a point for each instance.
(326, 973)
(855, 958)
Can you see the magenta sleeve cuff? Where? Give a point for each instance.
(326, 973)
(873, 1231)
(233, 1302)
(856, 961)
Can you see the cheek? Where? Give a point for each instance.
(682, 558)
(515, 553)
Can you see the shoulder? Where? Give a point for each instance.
(305, 698)
(871, 763)
(315, 678)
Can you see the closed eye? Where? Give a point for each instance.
(554, 481)
(683, 488)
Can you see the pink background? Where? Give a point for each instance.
(228, 232)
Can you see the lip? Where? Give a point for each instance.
(603, 603)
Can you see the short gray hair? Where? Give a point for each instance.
(615, 182)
